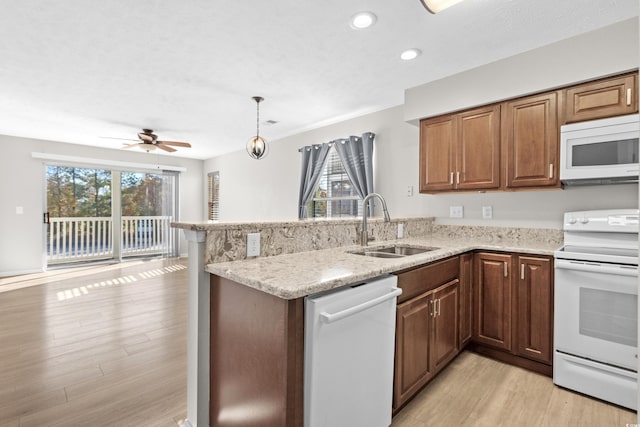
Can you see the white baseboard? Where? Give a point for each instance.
(19, 272)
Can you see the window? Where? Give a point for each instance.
(335, 196)
(213, 211)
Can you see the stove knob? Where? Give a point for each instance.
(572, 220)
(584, 220)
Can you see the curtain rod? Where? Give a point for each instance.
(334, 141)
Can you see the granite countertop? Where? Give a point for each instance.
(300, 274)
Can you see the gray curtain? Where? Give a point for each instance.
(313, 159)
(356, 154)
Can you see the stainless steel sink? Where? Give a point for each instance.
(395, 251)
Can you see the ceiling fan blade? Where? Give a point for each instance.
(131, 145)
(175, 143)
(165, 148)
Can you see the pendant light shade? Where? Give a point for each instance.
(435, 6)
(257, 146)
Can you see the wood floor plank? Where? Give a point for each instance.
(59, 334)
(479, 392)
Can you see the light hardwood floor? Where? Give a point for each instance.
(95, 346)
(476, 391)
(106, 346)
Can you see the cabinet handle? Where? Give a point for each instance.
(458, 177)
(506, 271)
(438, 307)
(522, 271)
(628, 96)
(431, 303)
(451, 179)
(550, 170)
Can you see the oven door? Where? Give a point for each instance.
(596, 314)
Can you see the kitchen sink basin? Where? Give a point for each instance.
(396, 251)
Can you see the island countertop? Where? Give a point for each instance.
(300, 274)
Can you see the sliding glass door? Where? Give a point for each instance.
(79, 214)
(148, 206)
(97, 214)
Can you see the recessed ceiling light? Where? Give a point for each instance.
(410, 54)
(363, 20)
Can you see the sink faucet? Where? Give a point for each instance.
(364, 235)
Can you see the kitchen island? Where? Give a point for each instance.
(255, 340)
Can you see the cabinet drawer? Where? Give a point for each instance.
(419, 280)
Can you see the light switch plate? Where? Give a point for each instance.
(487, 212)
(253, 244)
(19, 210)
(410, 191)
(456, 212)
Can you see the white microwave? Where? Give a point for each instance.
(600, 151)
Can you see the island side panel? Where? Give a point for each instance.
(257, 353)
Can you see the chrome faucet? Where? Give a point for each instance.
(364, 235)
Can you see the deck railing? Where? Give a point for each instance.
(91, 238)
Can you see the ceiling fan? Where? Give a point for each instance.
(149, 142)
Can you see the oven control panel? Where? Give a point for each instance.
(610, 220)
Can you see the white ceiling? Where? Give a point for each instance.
(78, 70)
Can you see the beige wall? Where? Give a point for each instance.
(22, 185)
(603, 52)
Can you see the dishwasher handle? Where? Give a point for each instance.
(334, 317)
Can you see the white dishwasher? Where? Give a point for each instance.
(349, 350)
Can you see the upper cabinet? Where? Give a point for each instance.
(461, 151)
(530, 141)
(514, 145)
(610, 97)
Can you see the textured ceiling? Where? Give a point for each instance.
(78, 70)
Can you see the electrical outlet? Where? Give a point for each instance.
(253, 244)
(487, 212)
(410, 191)
(456, 212)
(400, 231)
(19, 210)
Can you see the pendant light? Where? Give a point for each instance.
(257, 146)
(435, 6)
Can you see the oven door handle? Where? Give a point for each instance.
(590, 267)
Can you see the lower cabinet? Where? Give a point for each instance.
(534, 309)
(466, 298)
(514, 304)
(427, 327)
(499, 304)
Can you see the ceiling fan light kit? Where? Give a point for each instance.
(257, 146)
(435, 6)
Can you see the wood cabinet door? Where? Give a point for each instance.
(534, 308)
(530, 141)
(492, 285)
(478, 149)
(437, 144)
(412, 367)
(445, 325)
(604, 98)
(466, 299)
